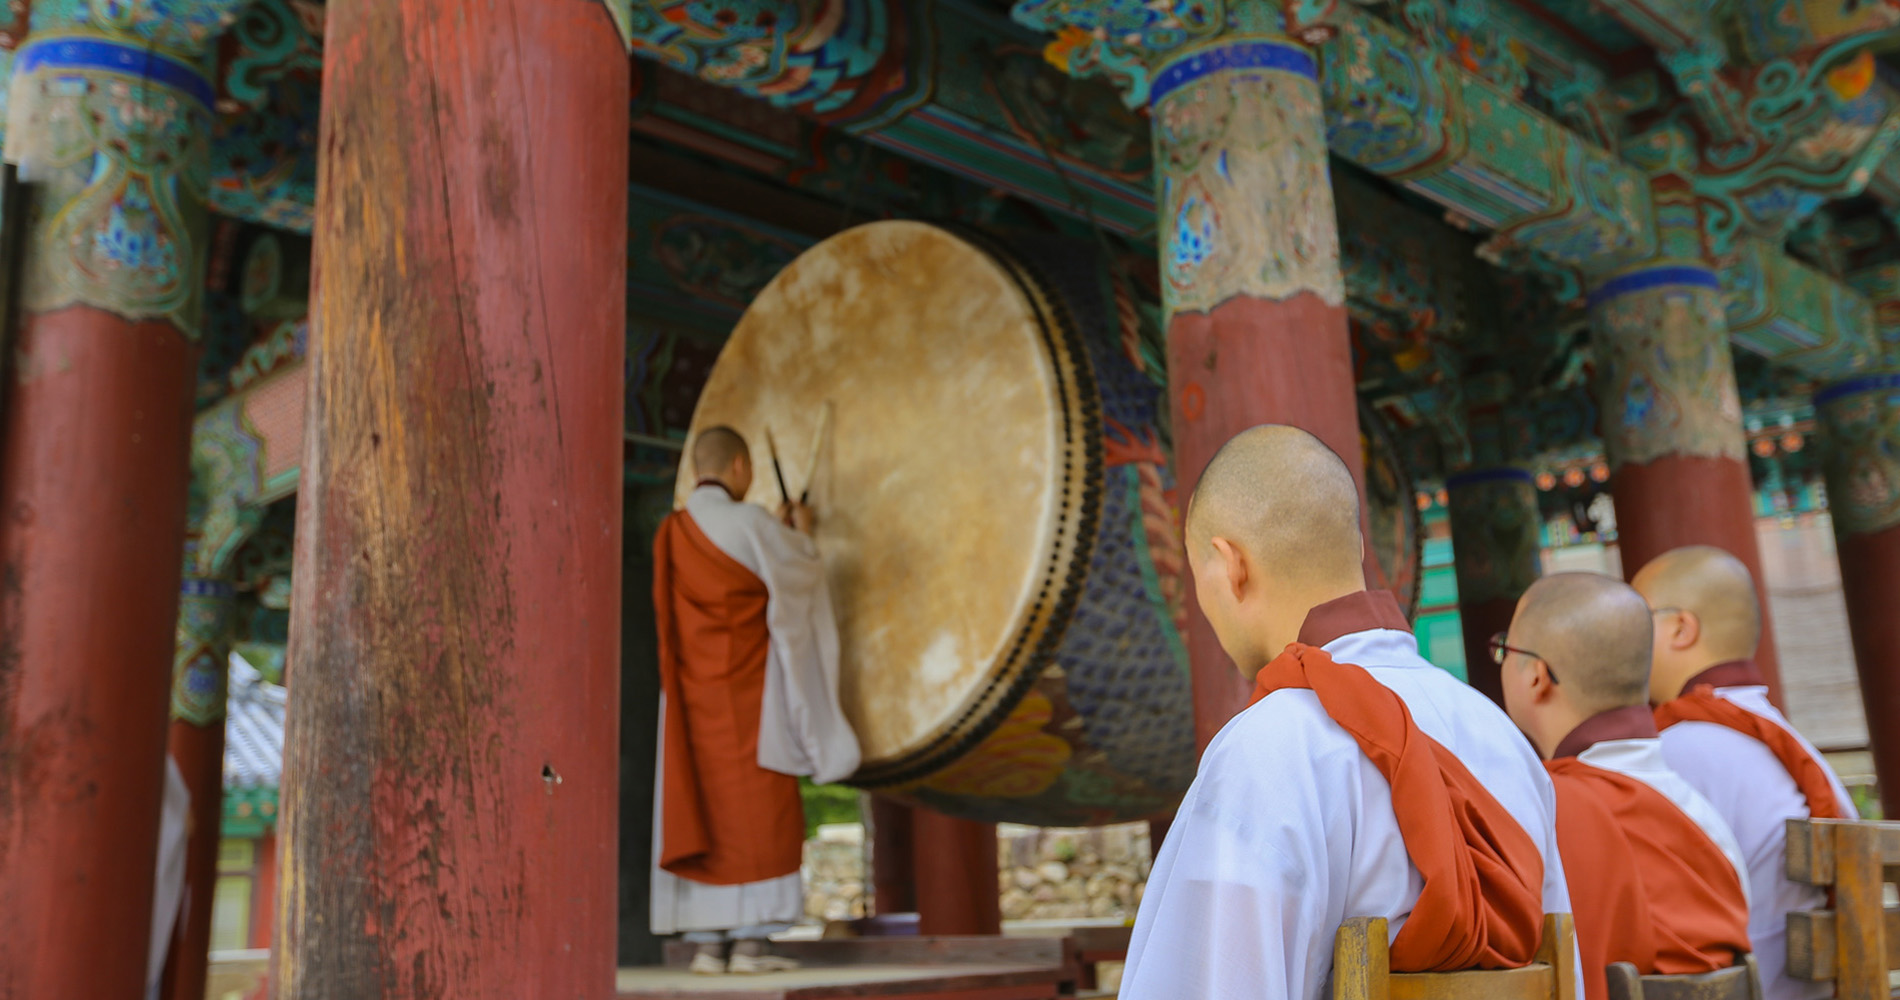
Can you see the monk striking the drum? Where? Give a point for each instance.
(1721, 733)
(1659, 881)
(749, 699)
(1361, 782)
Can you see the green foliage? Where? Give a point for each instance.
(1866, 800)
(827, 804)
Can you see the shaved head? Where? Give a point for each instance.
(1594, 632)
(1286, 498)
(1707, 613)
(1272, 532)
(1716, 587)
(715, 449)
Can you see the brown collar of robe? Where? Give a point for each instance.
(1631, 722)
(1699, 703)
(1482, 905)
(1359, 612)
(724, 819)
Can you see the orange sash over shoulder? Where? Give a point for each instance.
(724, 819)
(1482, 906)
(1702, 704)
(1650, 887)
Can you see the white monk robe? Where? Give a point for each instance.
(1288, 829)
(168, 897)
(802, 728)
(1753, 791)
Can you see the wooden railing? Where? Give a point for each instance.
(1362, 969)
(1856, 943)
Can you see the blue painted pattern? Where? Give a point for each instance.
(92, 53)
(1252, 53)
(1486, 476)
(1878, 382)
(1126, 667)
(1654, 277)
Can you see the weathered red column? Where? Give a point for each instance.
(201, 678)
(893, 858)
(450, 762)
(1250, 260)
(113, 131)
(1672, 422)
(955, 870)
(1860, 439)
(1495, 531)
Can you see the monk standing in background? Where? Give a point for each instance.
(1659, 881)
(1720, 732)
(749, 699)
(1362, 781)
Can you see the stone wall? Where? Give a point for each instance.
(1060, 874)
(835, 874)
(1042, 874)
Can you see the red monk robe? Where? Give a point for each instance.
(713, 644)
(748, 673)
(1481, 906)
(1383, 789)
(1650, 885)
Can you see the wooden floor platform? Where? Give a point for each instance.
(914, 968)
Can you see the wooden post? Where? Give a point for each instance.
(1672, 423)
(1860, 939)
(1860, 425)
(1255, 302)
(200, 681)
(893, 858)
(955, 873)
(1495, 532)
(449, 817)
(93, 475)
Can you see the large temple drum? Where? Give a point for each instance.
(995, 512)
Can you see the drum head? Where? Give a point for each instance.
(941, 479)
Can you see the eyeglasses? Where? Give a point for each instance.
(1665, 611)
(1500, 649)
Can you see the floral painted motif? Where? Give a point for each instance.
(175, 27)
(118, 138)
(1495, 530)
(1018, 760)
(793, 53)
(200, 661)
(1665, 376)
(1860, 446)
(1241, 151)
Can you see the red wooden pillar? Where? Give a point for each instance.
(1495, 531)
(1672, 423)
(264, 890)
(955, 875)
(1860, 434)
(93, 474)
(1250, 260)
(451, 751)
(200, 683)
(893, 858)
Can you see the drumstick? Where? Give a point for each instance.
(772, 449)
(817, 441)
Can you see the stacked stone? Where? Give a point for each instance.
(1072, 874)
(835, 883)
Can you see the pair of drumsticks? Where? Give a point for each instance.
(811, 467)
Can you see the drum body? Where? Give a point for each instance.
(996, 515)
